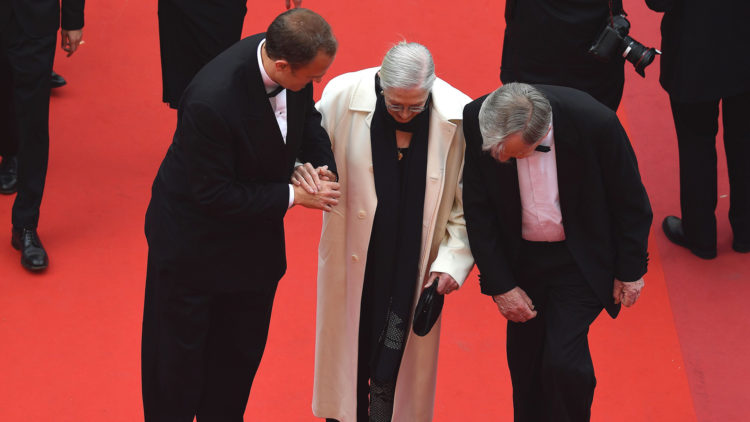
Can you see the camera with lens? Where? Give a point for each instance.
(614, 40)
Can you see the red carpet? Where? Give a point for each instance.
(70, 338)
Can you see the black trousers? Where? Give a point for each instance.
(190, 39)
(548, 356)
(25, 97)
(697, 125)
(200, 349)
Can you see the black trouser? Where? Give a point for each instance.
(200, 349)
(697, 125)
(548, 356)
(26, 99)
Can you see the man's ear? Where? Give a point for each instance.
(281, 65)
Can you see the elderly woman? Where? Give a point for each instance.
(398, 141)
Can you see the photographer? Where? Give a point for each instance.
(548, 42)
(705, 62)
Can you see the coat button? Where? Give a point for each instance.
(355, 258)
(361, 214)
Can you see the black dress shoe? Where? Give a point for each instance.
(9, 175)
(57, 80)
(33, 255)
(672, 227)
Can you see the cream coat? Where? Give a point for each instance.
(347, 105)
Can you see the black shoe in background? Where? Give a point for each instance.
(672, 227)
(8, 175)
(57, 80)
(33, 255)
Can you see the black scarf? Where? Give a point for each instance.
(395, 241)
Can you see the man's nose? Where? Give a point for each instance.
(405, 113)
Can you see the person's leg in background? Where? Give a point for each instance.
(30, 62)
(737, 146)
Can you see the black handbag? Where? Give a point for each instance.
(428, 310)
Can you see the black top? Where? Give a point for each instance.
(704, 46)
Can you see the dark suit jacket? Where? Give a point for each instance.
(606, 213)
(219, 199)
(547, 42)
(40, 18)
(704, 46)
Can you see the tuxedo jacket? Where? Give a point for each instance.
(216, 214)
(704, 46)
(40, 18)
(605, 210)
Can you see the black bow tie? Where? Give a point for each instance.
(275, 92)
(542, 148)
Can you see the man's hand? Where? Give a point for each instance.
(70, 40)
(325, 199)
(446, 283)
(627, 292)
(309, 177)
(515, 305)
(288, 3)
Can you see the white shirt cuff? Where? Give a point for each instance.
(291, 196)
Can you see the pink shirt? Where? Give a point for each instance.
(541, 219)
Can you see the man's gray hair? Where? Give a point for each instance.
(407, 65)
(514, 108)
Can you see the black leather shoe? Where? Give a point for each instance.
(57, 80)
(672, 227)
(33, 255)
(9, 175)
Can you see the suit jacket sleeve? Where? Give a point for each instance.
(71, 14)
(316, 145)
(628, 202)
(482, 225)
(209, 157)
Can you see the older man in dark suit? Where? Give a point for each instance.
(28, 33)
(215, 224)
(704, 64)
(558, 223)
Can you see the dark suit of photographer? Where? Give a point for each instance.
(547, 42)
(704, 63)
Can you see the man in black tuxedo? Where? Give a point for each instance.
(191, 33)
(704, 63)
(215, 225)
(547, 42)
(28, 33)
(558, 224)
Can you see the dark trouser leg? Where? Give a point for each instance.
(696, 125)
(8, 139)
(548, 356)
(735, 111)
(31, 65)
(568, 379)
(176, 321)
(237, 339)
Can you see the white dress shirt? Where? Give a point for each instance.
(541, 219)
(278, 104)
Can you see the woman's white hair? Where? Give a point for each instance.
(407, 65)
(514, 108)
